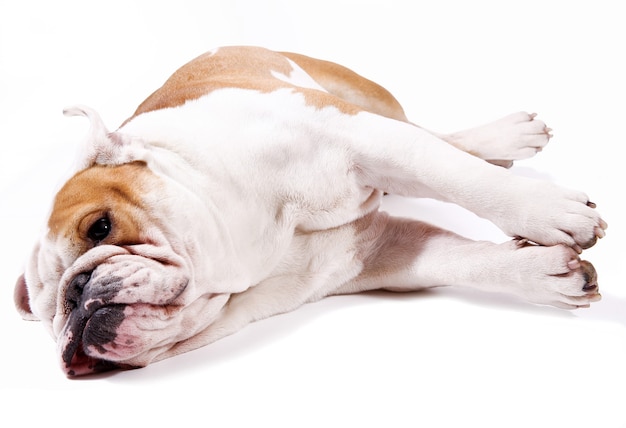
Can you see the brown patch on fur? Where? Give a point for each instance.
(350, 86)
(251, 68)
(96, 192)
(396, 247)
(229, 67)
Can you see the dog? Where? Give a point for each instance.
(250, 183)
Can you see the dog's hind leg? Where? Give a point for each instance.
(514, 137)
(411, 255)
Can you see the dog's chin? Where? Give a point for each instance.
(82, 364)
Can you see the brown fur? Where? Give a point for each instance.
(97, 192)
(349, 92)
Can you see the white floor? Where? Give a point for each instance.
(443, 358)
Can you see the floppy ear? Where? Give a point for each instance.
(101, 146)
(20, 295)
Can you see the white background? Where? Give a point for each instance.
(444, 358)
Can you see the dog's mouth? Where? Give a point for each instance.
(88, 341)
(85, 337)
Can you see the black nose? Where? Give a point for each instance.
(76, 287)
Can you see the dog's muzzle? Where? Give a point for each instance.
(92, 324)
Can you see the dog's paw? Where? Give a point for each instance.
(554, 276)
(514, 137)
(521, 136)
(548, 214)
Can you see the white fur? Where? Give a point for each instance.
(298, 77)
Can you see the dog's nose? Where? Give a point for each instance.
(76, 287)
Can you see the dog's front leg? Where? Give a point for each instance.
(402, 159)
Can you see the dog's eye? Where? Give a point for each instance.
(100, 229)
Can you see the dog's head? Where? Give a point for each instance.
(122, 275)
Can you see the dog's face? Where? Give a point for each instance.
(116, 277)
(93, 275)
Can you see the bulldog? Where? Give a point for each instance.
(251, 183)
